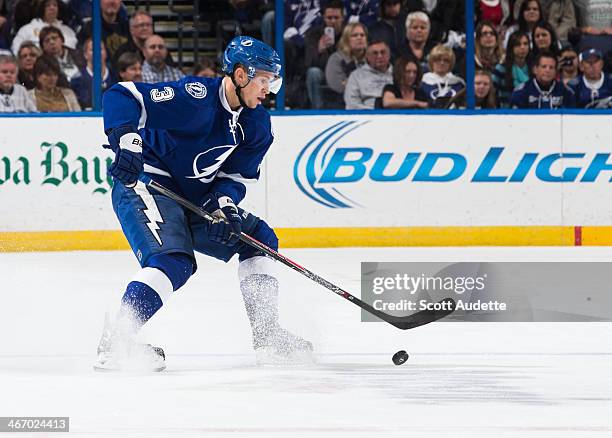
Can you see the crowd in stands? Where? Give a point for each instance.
(533, 54)
(352, 54)
(46, 53)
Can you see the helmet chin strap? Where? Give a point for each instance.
(239, 89)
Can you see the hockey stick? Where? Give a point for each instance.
(445, 307)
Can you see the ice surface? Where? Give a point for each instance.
(462, 379)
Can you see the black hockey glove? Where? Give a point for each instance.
(227, 223)
(127, 146)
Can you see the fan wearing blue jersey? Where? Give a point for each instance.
(593, 88)
(204, 138)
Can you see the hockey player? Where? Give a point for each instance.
(204, 139)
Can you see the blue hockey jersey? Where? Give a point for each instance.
(193, 142)
(531, 96)
(587, 97)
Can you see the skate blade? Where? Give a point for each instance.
(108, 369)
(266, 357)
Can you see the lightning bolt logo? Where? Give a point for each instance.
(207, 174)
(151, 211)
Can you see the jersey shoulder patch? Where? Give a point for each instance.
(196, 90)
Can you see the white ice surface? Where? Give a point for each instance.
(462, 379)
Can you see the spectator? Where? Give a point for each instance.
(440, 84)
(366, 84)
(26, 57)
(141, 28)
(350, 55)
(405, 91)
(488, 50)
(206, 68)
(514, 70)
(155, 69)
(82, 84)
(320, 42)
(20, 12)
(595, 21)
(544, 39)
(543, 91)
(497, 12)
(115, 27)
(390, 27)
(561, 14)
(593, 88)
(129, 67)
(484, 90)
(80, 12)
(52, 44)
(46, 15)
(568, 65)
(530, 14)
(14, 98)
(267, 28)
(300, 15)
(447, 20)
(47, 95)
(4, 26)
(361, 11)
(417, 44)
(246, 12)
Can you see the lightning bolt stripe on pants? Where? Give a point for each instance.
(151, 211)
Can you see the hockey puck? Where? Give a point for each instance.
(400, 357)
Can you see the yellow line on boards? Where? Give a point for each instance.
(61, 241)
(338, 237)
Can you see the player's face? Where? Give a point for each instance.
(8, 75)
(258, 88)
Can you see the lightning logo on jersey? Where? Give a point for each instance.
(207, 174)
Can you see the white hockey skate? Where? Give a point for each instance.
(281, 347)
(117, 351)
(273, 344)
